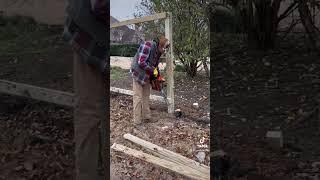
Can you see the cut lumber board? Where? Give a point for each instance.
(178, 168)
(121, 91)
(166, 154)
(38, 93)
(139, 20)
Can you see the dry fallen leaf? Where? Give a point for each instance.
(28, 165)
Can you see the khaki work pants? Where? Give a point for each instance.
(89, 111)
(141, 107)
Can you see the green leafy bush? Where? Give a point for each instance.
(180, 68)
(125, 50)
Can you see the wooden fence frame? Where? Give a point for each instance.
(67, 99)
(169, 57)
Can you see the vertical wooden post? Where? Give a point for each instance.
(169, 63)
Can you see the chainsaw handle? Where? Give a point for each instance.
(161, 79)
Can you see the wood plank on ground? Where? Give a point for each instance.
(178, 168)
(167, 154)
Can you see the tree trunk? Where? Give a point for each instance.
(192, 69)
(306, 19)
(252, 42)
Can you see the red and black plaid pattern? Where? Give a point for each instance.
(83, 43)
(145, 61)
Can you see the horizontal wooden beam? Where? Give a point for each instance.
(178, 168)
(130, 93)
(52, 96)
(140, 20)
(38, 93)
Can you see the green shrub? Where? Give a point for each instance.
(180, 68)
(125, 50)
(21, 35)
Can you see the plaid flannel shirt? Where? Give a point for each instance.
(145, 61)
(83, 43)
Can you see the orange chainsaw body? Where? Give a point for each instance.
(156, 83)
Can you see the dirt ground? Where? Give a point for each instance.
(178, 135)
(181, 135)
(36, 140)
(258, 92)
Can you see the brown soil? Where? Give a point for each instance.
(181, 135)
(178, 135)
(257, 92)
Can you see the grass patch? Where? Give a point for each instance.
(21, 35)
(180, 68)
(124, 50)
(117, 73)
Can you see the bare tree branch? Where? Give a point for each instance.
(292, 25)
(288, 11)
(306, 19)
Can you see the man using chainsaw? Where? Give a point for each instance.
(145, 74)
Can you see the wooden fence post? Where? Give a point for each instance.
(169, 63)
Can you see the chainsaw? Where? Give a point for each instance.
(157, 84)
